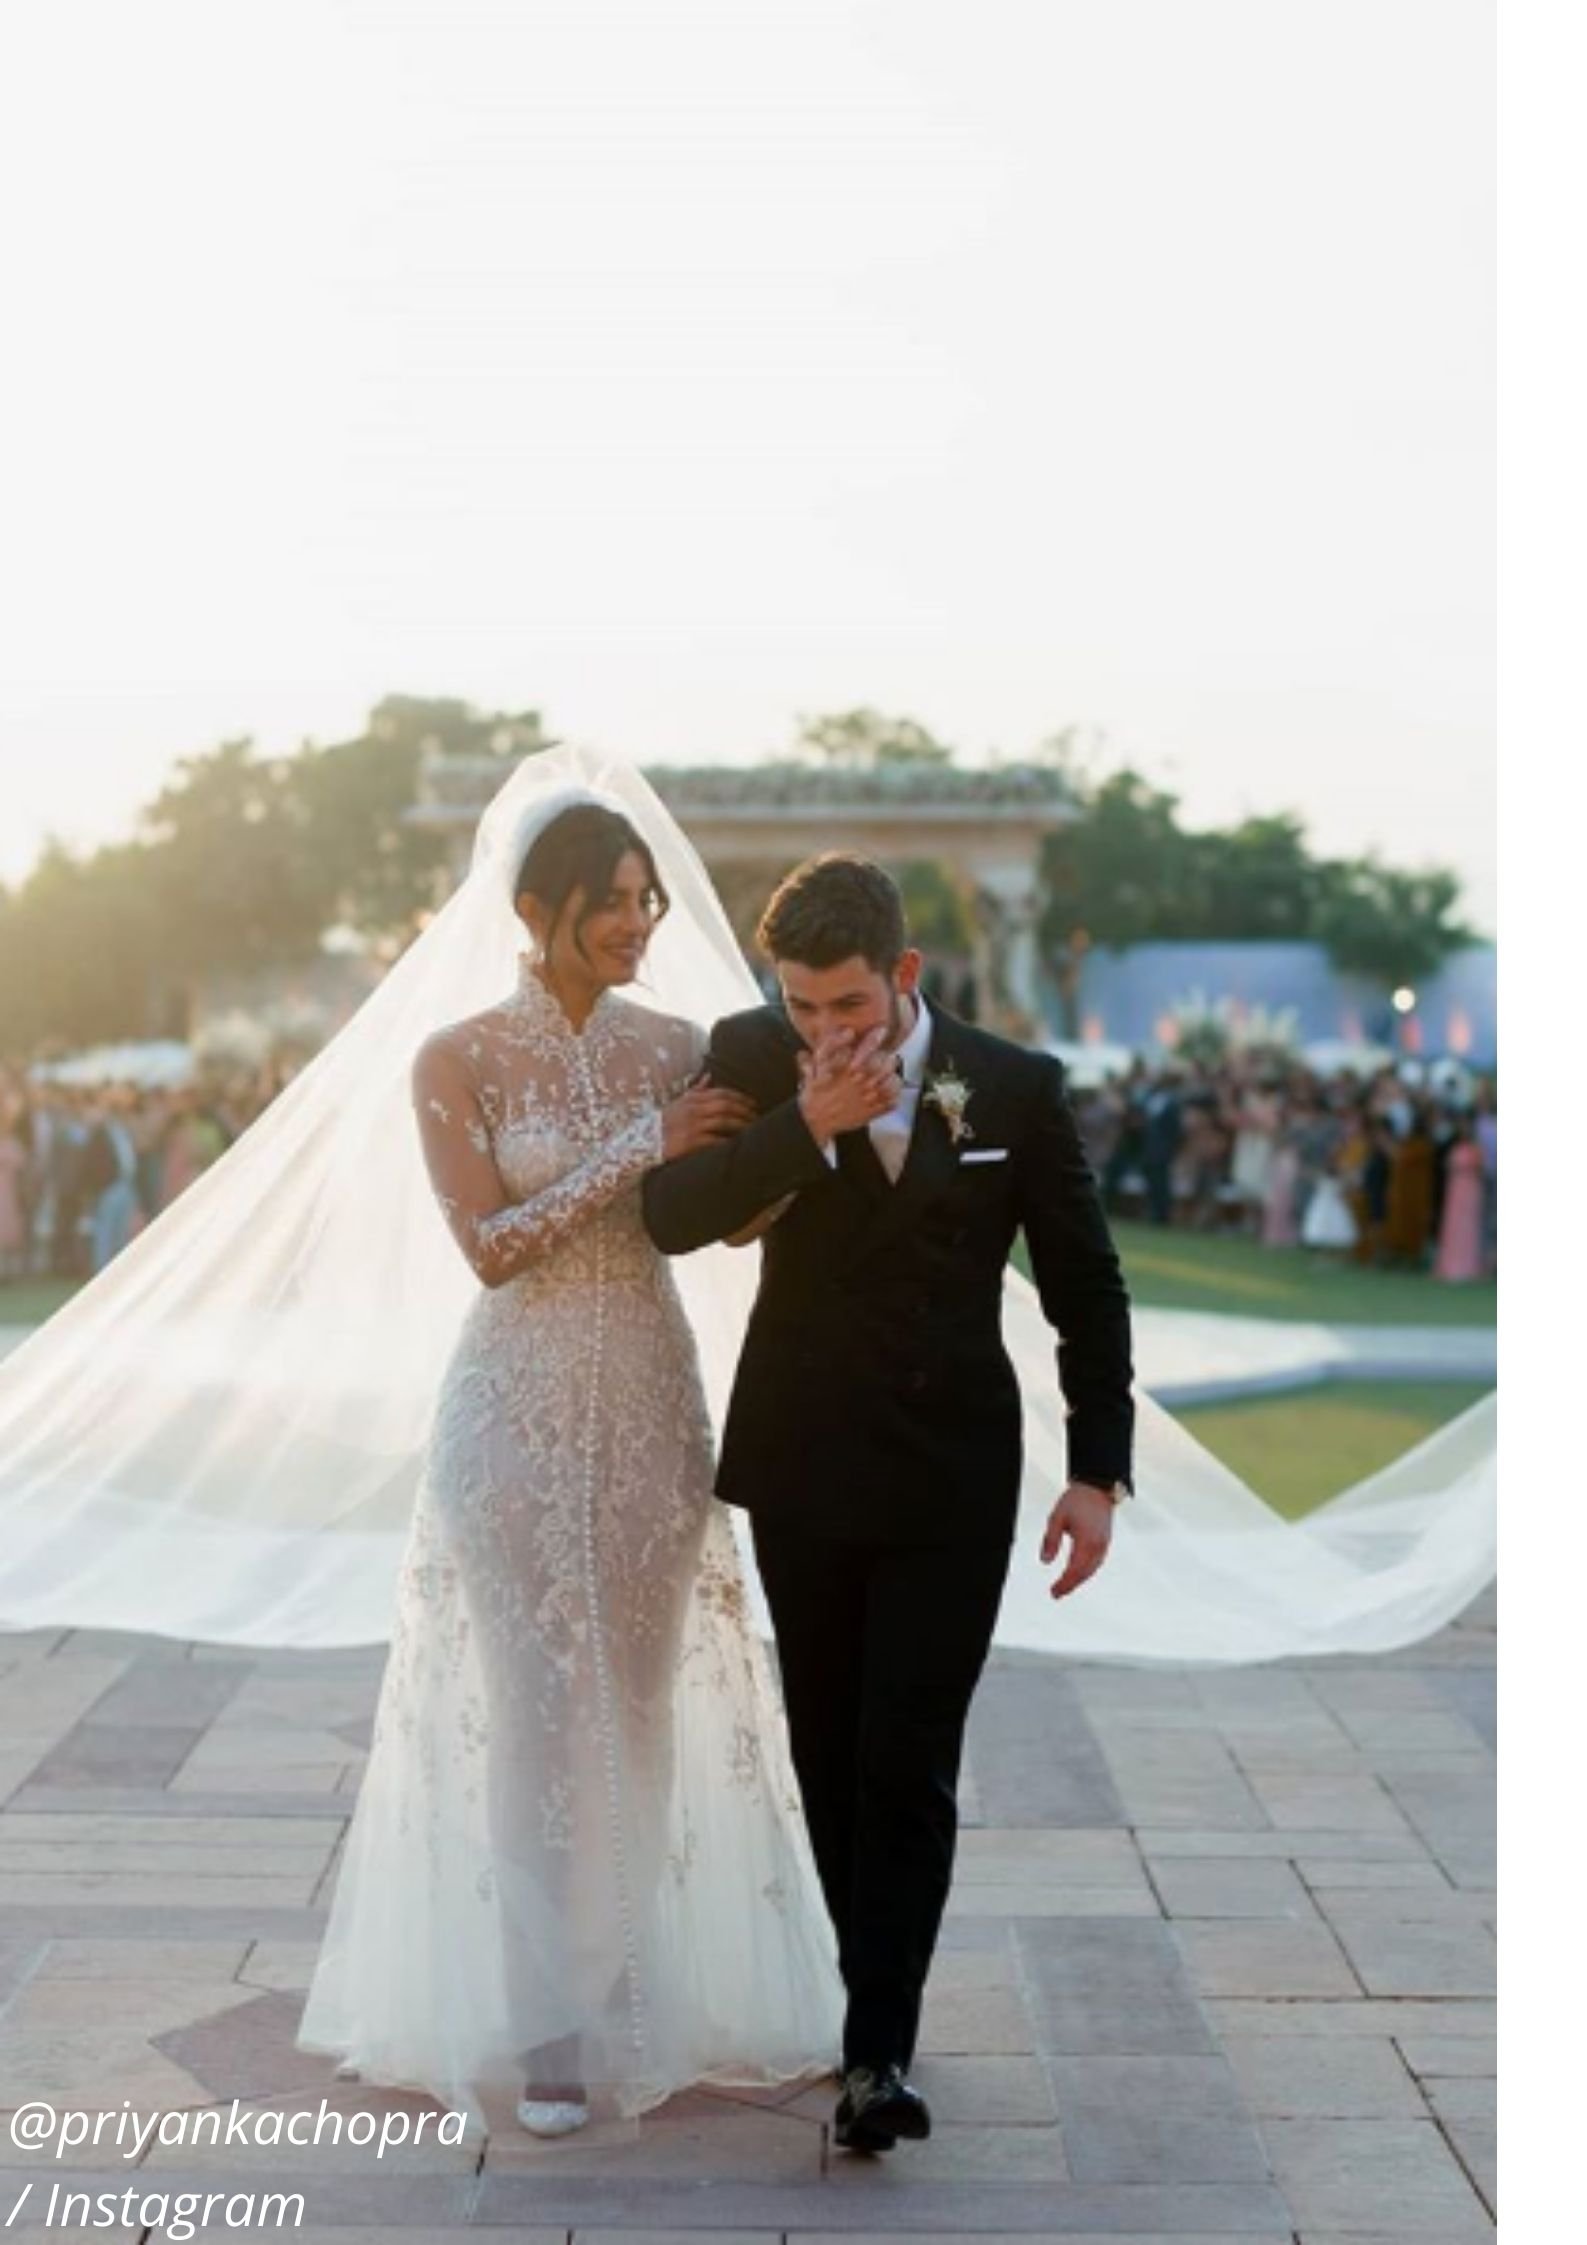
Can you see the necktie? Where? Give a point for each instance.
(876, 1156)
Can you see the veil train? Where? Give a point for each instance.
(220, 1436)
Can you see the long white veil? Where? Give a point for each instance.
(220, 1436)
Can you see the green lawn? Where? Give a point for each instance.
(1170, 1270)
(29, 1301)
(1296, 1450)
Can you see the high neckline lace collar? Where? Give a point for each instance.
(545, 1009)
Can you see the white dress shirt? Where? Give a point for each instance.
(891, 1132)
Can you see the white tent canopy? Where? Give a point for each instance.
(157, 1064)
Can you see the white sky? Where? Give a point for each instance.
(678, 370)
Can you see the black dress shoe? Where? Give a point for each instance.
(877, 2107)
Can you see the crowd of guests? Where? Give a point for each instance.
(1380, 1172)
(84, 1168)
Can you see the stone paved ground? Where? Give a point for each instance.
(1219, 1963)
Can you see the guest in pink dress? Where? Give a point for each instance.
(1488, 1145)
(13, 1213)
(1460, 1254)
(193, 1139)
(1280, 1217)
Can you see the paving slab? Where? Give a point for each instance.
(1473, 1693)
(1434, 2057)
(1407, 1956)
(1214, 1886)
(692, 2135)
(1396, 1845)
(1004, 2092)
(1398, 2177)
(152, 1693)
(1020, 1871)
(1139, 2120)
(892, 2206)
(1463, 2098)
(1476, 2146)
(1181, 1777)
(1459, 2017)
(976, 2022)
(1033, 1755)
(151, 1801)
(1025, 1854)
(358, 2233)
(1044, 1901)
(997, 2156)
(1296, 1797)
(94, 1753)
(1326, 2077)
(1264, 1957)
(1451, 1805)
(1110, 1988)
(1321, 1872)
(648, 2236)
(989, 2237)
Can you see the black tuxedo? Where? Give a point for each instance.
(874, 1436)
(874, 1398)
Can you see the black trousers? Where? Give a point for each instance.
(880, 1648)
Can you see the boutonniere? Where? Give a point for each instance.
(948, 1092)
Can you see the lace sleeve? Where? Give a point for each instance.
(499, 1237)
(684, 1057)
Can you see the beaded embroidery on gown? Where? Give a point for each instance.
(578, 1846)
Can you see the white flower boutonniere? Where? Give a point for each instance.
(950, 1095)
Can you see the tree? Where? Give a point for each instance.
(1108, 877)
(937, 908)
(1256, 880)
(239, 883)
(445, 726)
(1396, 927)
(1119, 871)
(82, 956)
(860, 739)
(382, 867)
(240, 861)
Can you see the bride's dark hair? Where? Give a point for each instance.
(582, 849)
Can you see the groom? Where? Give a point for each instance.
(874, 1433)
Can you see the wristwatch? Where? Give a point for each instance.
(1115, 1491)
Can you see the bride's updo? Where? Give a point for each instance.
(581, 849)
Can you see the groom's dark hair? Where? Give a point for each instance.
(835, 907)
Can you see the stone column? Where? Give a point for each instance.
(1009, 900)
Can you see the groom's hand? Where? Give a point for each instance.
(843, 1085)
(1085, 1516)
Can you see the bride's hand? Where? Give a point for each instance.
(702, 1116)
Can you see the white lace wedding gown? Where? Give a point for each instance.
(577, 1852)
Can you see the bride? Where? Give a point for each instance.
(565, 1533)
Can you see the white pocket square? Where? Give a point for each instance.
(987, 1153)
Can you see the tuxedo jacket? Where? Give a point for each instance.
(874, 1399)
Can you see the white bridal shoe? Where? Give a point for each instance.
(551, 2119)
